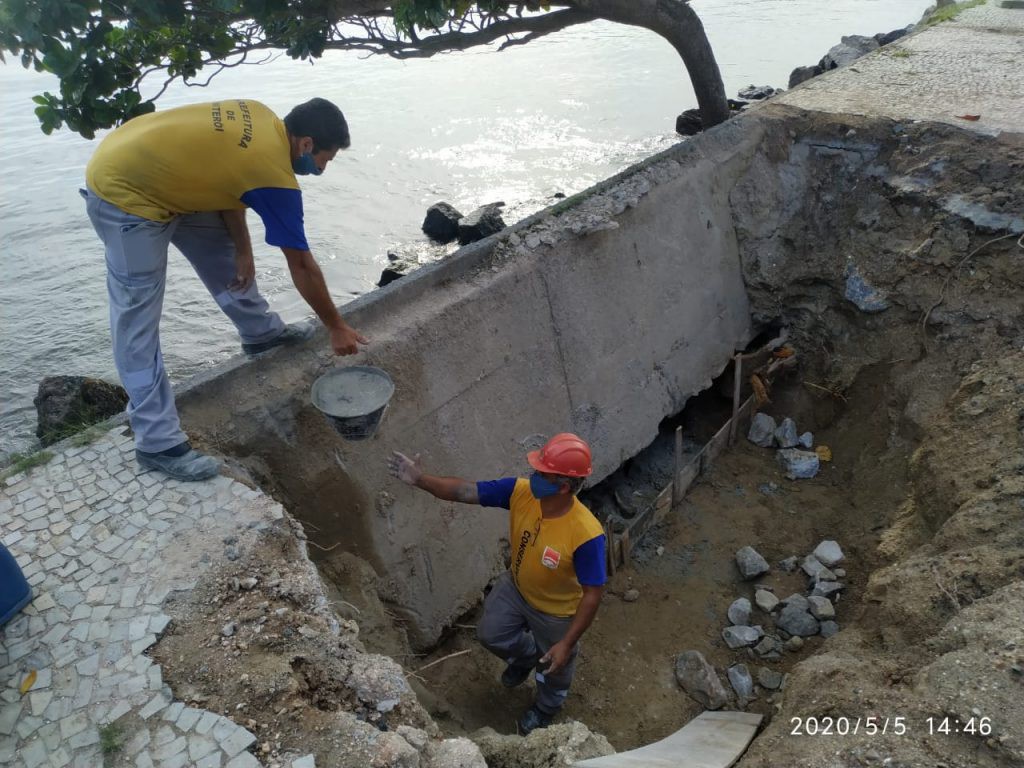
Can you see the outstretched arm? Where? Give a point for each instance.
(309, 280)
(445, 488)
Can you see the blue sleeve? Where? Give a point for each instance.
(496, 493)
(281, 211)
(589, 562)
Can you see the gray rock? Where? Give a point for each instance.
(806, 440)
(794, 644)
(769, 678)
(69, 404)
(798, 465)
(785, 434)
(744, 637)
(790, 564)
(828, 589)
(750, 563)
(700, 681)
(762, 430)
(631, 595)
(689, 123)
(441, 222)
(821, 607)
(803, 74)
(396, 270)
(812, 566)
(829, 553)
(769, 646)
(765, 600)
(840, 573)
(863, 295)
(884, 38)
(739, 612)
(228, 629)
(797, 621)
(741, 681)
(829, 628)
(849, 49)
(481, 223)
(249, 582)
(796, 600)
(378, 681)
(756, 92)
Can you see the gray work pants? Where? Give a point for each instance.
(519, 634)
(136, 254)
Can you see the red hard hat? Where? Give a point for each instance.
(564, 454)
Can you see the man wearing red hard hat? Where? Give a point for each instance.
(538, 609)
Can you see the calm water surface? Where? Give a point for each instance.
(556, 115)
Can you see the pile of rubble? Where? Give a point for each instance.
(797, 455)
(788, 622)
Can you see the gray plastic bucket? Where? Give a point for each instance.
(353, 399)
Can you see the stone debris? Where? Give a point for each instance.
(631, 595)
(739, 612)
(248, 583)
(797, 600)
(441, 222)
(790, 564)
(862, 294)
(812, 566)
(829, 553)
(785, 434)
(821, 607)
(483, 222)
(769, 678)
(794, 644)
(228, 629)
(744, 637)
(765, 600)
(797, 621)
(769, 648)
(756, 92)
(799, 465)
(762, 430)
(557, 746)
(751, 564)
(700, 680)
(829, 589)
(829, 628)
(806, 440)
(839, 572)
(742, 682)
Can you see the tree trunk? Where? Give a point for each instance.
(678, 23)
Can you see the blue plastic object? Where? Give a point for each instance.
(15, 592)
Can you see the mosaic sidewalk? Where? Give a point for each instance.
(103, 545)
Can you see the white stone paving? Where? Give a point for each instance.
(971, 65)
(102, 546)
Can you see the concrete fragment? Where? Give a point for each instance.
(744, 637)
(762, 430)
(739, 612)
(741, 681)
(454, 753)
(797, 621)
(785, 434)
(700, 681)
(765, 600)
(821, 607)
(750, 563)
(797, 464)
(829, 553)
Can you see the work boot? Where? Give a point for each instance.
(182, 462)
(513, 675)
(293, 333)
(532, 720)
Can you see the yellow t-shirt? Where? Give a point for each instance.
(201, 157)
(543, 550)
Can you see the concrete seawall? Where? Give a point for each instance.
(601, 316)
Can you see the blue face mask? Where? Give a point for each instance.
(306, 165)
(541, 488)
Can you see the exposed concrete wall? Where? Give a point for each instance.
(600, 316)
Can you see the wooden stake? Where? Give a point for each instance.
(677, 492)
(610, 542)
(737, 371)
(443, 658)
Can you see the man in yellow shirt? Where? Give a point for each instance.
(537, 611)
(186, 176)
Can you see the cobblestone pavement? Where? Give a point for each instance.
(102, 546)
(968, 66)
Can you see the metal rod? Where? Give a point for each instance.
(738, 374)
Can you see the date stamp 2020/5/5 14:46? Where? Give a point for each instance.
(891, 725)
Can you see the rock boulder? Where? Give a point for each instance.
(69, 404)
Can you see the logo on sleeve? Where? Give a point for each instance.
(550, 558)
